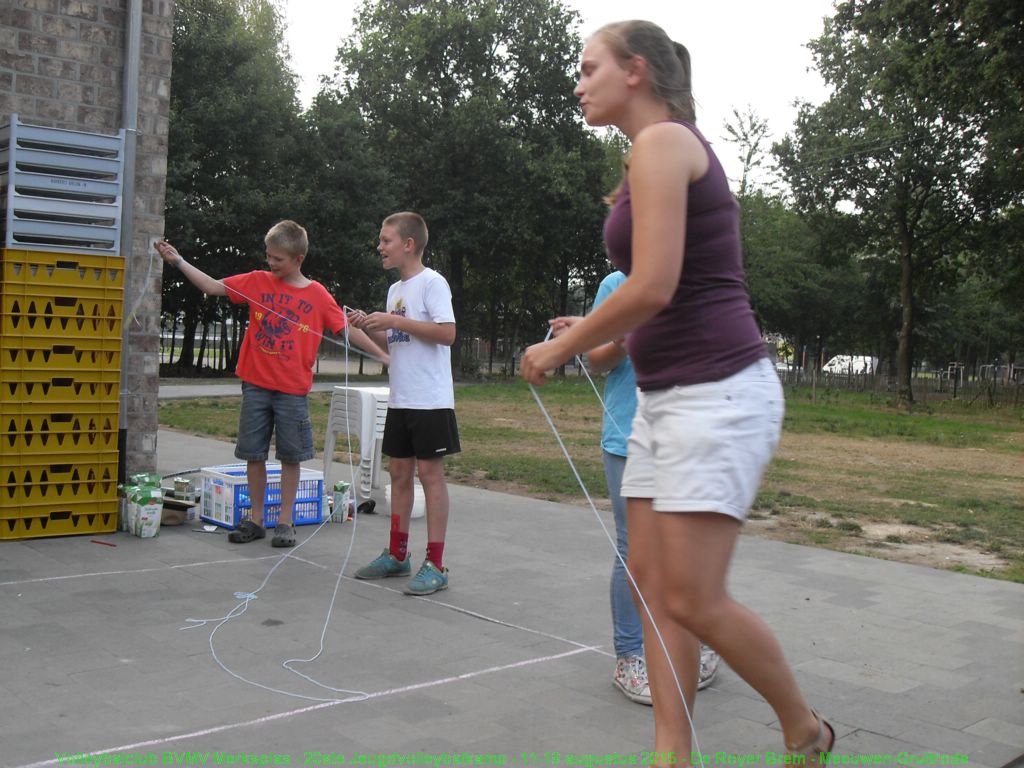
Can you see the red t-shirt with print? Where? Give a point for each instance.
(286, 324)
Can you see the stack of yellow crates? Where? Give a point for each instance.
(61, 299)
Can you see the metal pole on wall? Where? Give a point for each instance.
(130, 118)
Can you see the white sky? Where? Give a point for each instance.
(743, 52)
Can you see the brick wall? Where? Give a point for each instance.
(62, 65)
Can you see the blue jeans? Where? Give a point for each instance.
(627, 631)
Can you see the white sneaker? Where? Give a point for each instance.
(631, 678)
(709, 661)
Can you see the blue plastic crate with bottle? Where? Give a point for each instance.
(226, 501)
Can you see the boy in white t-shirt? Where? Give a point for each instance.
(418, 330)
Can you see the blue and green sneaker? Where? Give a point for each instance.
(385, 565)
(428, 580)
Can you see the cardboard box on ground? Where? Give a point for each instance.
(145, 505)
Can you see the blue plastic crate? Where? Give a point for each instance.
(226, 496)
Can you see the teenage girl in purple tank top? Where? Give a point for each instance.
(707, 394)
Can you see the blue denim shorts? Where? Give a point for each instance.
(265, 412)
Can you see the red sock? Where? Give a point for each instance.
(399, 546)
(435, 550)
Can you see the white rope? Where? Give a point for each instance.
(248, 597)
(353, 696)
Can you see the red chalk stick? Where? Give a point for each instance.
(104, 543)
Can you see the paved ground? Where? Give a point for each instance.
(514, 660)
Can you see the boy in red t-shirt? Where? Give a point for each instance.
(287, 315)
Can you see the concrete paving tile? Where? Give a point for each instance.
(856, 675)
(999, 730)
(968, 706)
(736, 706)
(933, 738)
(111, 679)
(383, 732)
(736, 741)
(921, 673)
(881, 715)
(940, 633)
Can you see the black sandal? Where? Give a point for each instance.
(247, 531)
(284, 536)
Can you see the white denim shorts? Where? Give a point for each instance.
(704, 448)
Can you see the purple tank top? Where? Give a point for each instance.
(707, 332)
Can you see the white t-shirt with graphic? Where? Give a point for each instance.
(421, 371)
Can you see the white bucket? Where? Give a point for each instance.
(419, 501)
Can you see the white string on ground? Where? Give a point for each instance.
(264, 720)
(247, 597)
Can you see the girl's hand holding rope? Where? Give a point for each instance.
(542, 357)
(546, 356)
(560, 325)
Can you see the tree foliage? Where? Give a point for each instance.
(233, 147)
(470, 104)
(900, 233)
(906, 140)
(344, 188)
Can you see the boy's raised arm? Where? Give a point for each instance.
(208, 285)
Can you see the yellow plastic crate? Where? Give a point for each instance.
(30, 312)
(30, 481)
(43, 353)
(27, 386)
(28, 429)
(52, 271)
(61, 520)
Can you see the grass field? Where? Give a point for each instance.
(943, 487)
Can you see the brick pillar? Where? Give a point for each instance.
(62, 65)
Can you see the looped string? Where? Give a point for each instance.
(247, 597)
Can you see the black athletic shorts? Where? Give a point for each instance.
(410, 432)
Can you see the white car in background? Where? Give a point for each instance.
(847, 364)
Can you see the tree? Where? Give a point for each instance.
(233, 150)
(801, 279)
(906, 138)
(470, 106)
(346, 187)
(750, 133)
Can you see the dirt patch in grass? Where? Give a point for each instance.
(889, 541)
(847, 496)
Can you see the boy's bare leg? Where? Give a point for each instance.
(256, 475)
(290, 474)
(402, 473)
(435, 492)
